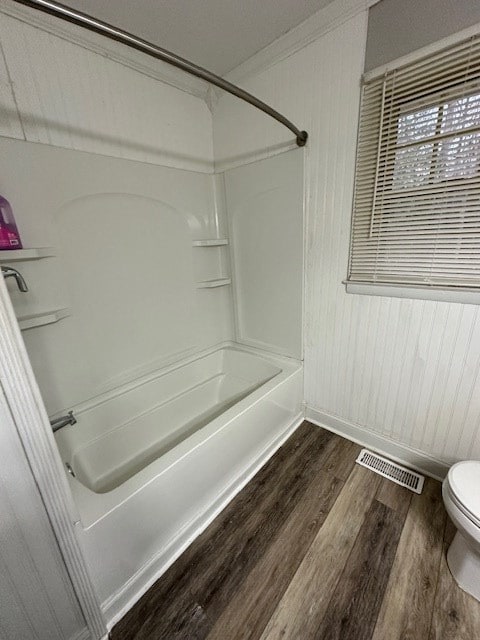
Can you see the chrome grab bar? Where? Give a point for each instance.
(58, 423)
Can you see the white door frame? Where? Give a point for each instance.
(31, 419)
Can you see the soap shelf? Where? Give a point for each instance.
(211, 284)
(42, 319)
(214, 242)
(10, 255)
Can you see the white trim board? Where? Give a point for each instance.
(464, 296)
(416, 460)
(30, 417)
(111, 49)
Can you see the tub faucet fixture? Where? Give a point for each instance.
(58, 423)
(10, 272)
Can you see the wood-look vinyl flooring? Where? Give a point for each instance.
(314, 547)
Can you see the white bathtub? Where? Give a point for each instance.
(156, 460)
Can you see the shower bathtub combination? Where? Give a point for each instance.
(173, 420)
(151, 464)
(152, 257)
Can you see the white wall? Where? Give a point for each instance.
(397, 28)
(400, 375)
(61, 93)
(36, 596)
(67, 89)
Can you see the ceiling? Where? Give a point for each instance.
(216, 34)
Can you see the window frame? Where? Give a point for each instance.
(437, 292)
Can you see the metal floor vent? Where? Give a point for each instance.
(391, 470)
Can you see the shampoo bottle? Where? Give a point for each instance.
(9, 236)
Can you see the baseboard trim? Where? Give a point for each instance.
(117, 606)
(413, 458)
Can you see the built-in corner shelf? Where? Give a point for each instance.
(211, 284)
(11, 255)
(213, 242)
(42, 319)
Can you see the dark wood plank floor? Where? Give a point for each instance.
(314, 547)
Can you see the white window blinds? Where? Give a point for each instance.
(416, 213)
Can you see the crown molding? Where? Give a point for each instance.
(320, 23)
(111, 49)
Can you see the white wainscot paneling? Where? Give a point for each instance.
(404, 373)
(63, 94)
(36, 596)
(10, 124)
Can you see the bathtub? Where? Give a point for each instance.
(152, 463)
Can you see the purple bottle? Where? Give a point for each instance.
(9, 236)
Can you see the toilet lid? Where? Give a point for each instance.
(464, 481)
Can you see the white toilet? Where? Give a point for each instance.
(461, 495)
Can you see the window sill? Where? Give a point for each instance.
(464, 296)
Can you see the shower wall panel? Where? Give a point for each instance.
(124, 267)
(265, 213)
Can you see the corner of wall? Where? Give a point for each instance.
(283, 74)
(397, 451)
(78, 90)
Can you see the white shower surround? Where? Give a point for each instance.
(401, 376)
(125, 543)
(27, 120)
(131, 533)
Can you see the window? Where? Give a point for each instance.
(416, 214)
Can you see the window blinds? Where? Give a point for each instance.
(416, 213)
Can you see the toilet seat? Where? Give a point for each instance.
(464, 485)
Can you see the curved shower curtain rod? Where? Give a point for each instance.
(84, 20)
